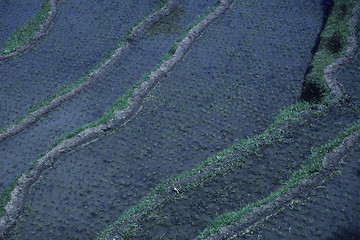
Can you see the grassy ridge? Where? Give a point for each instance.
(121, 103)
(315, 77)
(310, 168)
(47, 101)
(175, 45)
(6, 195)
(69, 88)
(250, 146)
(333, 44)
(26, 32)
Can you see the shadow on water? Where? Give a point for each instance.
(168, 25)
(327, 7)
(312, 92)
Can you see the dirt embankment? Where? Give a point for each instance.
(19, 195)
(43, 30)
(331, 72)
(114, 59)
(329, 164)
(16, 205)
(154, 78)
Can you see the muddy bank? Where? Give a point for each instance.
(331, 161)
(157, 198)
(320, 79)
(17, 204)
(331, 72)
(329, 164)
(103, 69)
(43, 30)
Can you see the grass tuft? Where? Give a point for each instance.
(310, 168)
(6, 195)
(26, 32)
(333, 44)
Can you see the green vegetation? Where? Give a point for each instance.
(24, 33)
(173, 47)
(47, 101)
(310, 168)
(6, 195)
(328, 52)
(250, 146)
(67, 89)
(162, 3)
(333, 44)
(120, 104)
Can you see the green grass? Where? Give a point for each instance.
(173, 47)
(26, 32)
(6, 195)
(48, 100)
(333, 44)
(251, 145)
(120, 103)
(310, 168)
(83, 79)
(321, 60)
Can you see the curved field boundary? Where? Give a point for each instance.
(331, 72)
(257, 212)
(248, 217)
(336, 40)
(219, 163)
(128, 222)
(19, 194)
(43, 30)
(93, 76)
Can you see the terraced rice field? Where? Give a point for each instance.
(179, 119)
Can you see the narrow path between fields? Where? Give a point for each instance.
(19, 195)
(331, 72)
(92, 77)
(43, 30)
(329, 164)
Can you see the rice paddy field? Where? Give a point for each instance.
(245, 114)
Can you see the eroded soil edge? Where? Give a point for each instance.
(329, 164)
(105, 67)
(19, 195)
(331, 72)
(43, 30)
